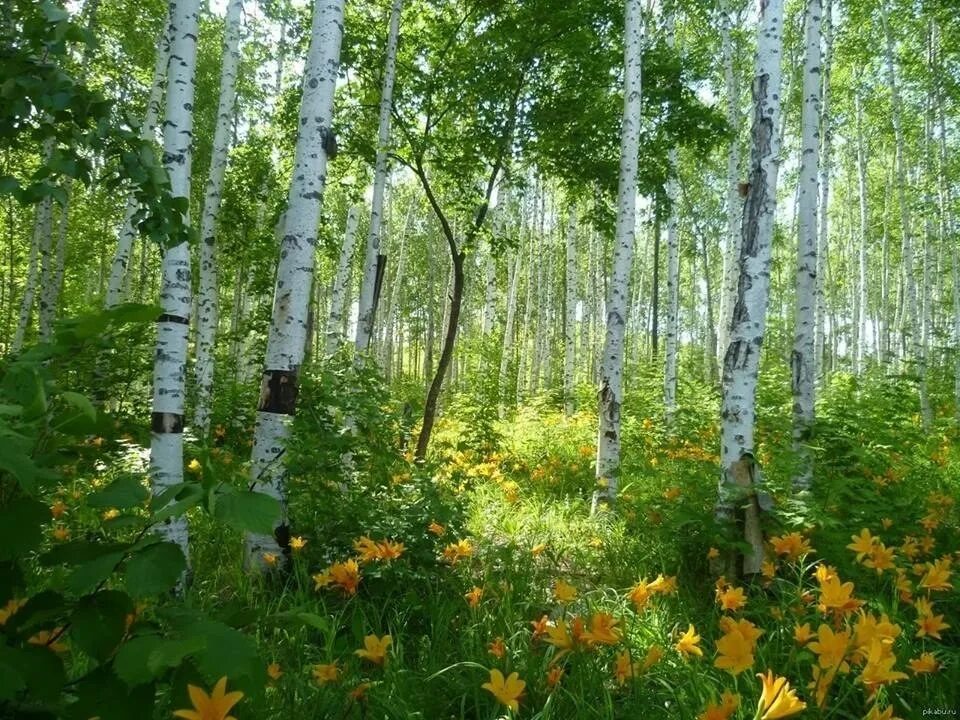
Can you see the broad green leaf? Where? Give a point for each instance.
(99, 622)
(124, 492)
(245, 510)
(132, 660)
(87, 576)
(80, 402)
(154, 570)
(170, 653)
(21, 526)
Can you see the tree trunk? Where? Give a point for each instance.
(570, 314)
(823, 236)
(371, 260)
(286, 339)
(742, 359)
(338, 293)
(506, 354)
(861, 320)
(611, 372)
(169, 369)
(673, 270)
(208, 312)
(655, 282)
(802, 360)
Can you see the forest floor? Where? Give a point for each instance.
(498, 592)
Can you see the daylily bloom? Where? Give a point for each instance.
(375, 649)
(777, 699)
(603, 630)
(539, 627)
(639, 595)
(297, 544)
(732, 598)
(927, 622)
(926, 663)
(624, 668)
(793, 545)
(564, 592)
(436, 528)
(802, 634)
(58, 508)
(735, 653)
(722, 710)
(862, 544)
(507, 690)
(831, 648)
(554, 675)
(653, 656)
(879, 667)
(273, 671)
(497, 648)
(454, 552)
(663, 585)
(210, 707)
(837, 597)
(688, 643)
(473, 597)
(877, 714)
(325, 673)
(937, 576)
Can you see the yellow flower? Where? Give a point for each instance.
(777, 699)
(559, 636)
(194, 466)
(653, 656)
(802, 634)
(539, 627)
(436, 528)
(663, 585)
(297, 543)
(713, 553)
(877, 714)
(389, 550)
(325, 673)
(639, 595)
(688, 643)
(537, 550)
(732, 598)
(375, 649)
(793, 545)
(879, 667)
(61, 533)
(210, 707)
(768, 569)
(926, 663)
(321, 580)
(273, 671)
(746, 628)
(270, 559)
(554, 675)
(862, 544)
(473, 597)
(831, 648)
(10, 609)
(735, 653)
(367, 549)
(58, 508)
(497, 648)
(869, 628)
(937, 576)
(880, 558)
(603, 630)
(722, 710)
(624, 668)
(454, 552)
(346, 575)
(564, 592)
(887, 523)
(837, 597)
(927, 622)
(824, 573)
(507, 690)
(110, 514)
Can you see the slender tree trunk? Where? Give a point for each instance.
(169, 369)
(673, 269)
(371, 261)
(823, 236)
(611, 373)
(338, 294)
(742, 359)
(803, 362)
(570, 314)
(655, 300)
(911, 320)
(861, 320)
(286, 340)
(506, 355)
(208, 312)
(41, 218)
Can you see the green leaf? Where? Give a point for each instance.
(21, 527)
(124, 492)
(228, 651)
(39, 669)
(78, 551)
(80, 402)
(170, 653)
(245, 510)
(155, 569)
(21, 466)
(87, 576)
(132, 660)
(103, 695)
(99, 622)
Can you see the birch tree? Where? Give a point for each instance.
(570, 312)
(742, 358)
(671, 335)
(208, 311)
(611, 363)
(287, 336)
(169, 369)
(368, 287)
(338, 293)
(802, 360)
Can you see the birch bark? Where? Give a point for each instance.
(611, 371)
(802, 360)
(338, 294)
(169, 369)
(288, 327)
(673, 269)
(208, 312)
(861, 320)
(742, 359)
(570, 314)
(371, 256)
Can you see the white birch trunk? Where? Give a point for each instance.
(148, 131)
(742, 359)
(338, 294)
(861, 320)
(611, 372)
(169, 369)
(570, 314)
(288, 327)
(909, 318)
(823, 233)
(368, 285)
(671, 335)
(42, 218)
(731, 250)
(802, 360)
(506, 354)
(208, 311)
